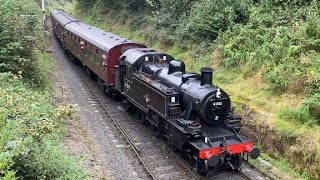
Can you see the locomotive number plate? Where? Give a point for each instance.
(217, 104)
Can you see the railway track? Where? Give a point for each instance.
(251, 172)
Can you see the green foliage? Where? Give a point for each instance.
(300, 115)
(20, 38)
(210, 17)
(284, 3)
(38, 165)
(308, 113)
(30, 128)
(122, 6)
(286, 56)
(168, 13)
(312, 104)
(54, 4)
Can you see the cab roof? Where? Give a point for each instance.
(144, 54)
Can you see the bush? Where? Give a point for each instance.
(297, 115)
(210, 17)
(48, 161)
(312, 104)
(20, 39)
(308, 113)
(30, 126)
(282, 55)
(30, 129)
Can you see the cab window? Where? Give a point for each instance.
(129, 72)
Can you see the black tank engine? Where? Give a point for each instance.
(186, 109)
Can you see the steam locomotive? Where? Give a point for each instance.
(184, 108)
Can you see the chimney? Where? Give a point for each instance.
(206, 76)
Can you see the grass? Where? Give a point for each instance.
(46, 64)
(61, 4)
(280, 168)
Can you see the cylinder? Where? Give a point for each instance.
(206, 76)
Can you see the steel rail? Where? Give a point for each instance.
(244, 174)
(264, 174)
(184, 163)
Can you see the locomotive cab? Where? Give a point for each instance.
(138, 70)
(135, 59)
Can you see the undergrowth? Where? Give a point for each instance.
(31, 127)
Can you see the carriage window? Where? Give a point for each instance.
(97, 51)
(75, 38)
(79, 39)
(85, 44)
(91, 47)
(71, 35)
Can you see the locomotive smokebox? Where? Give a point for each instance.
(206, 76)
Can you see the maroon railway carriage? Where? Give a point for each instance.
(95, 48)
